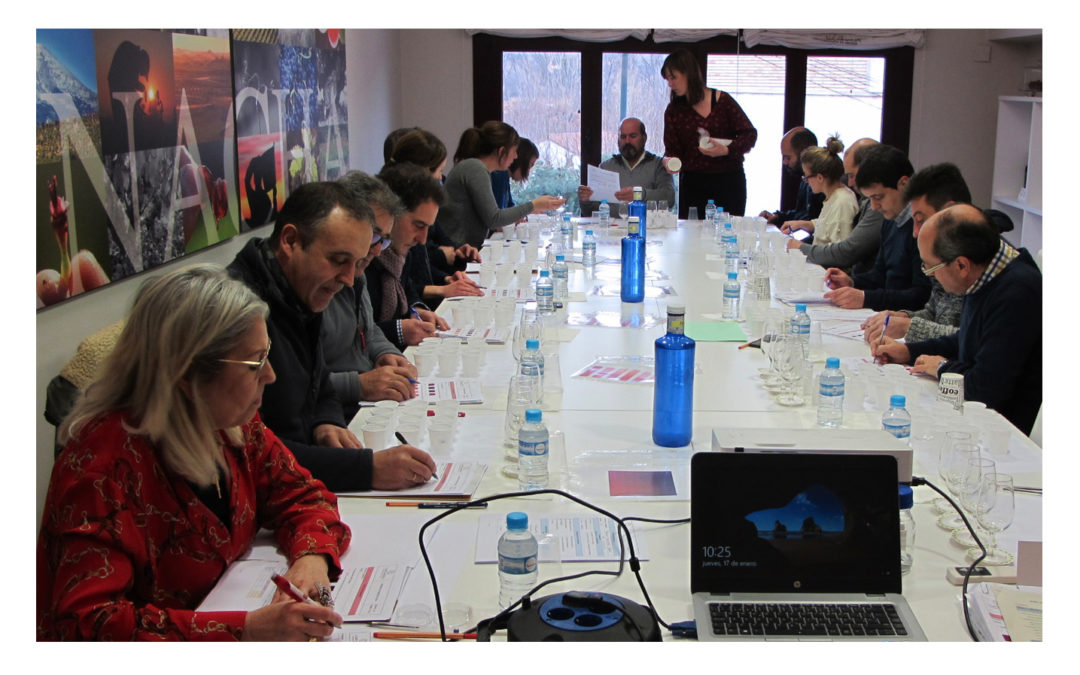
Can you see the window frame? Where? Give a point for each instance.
(488, 90)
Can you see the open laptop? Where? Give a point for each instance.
(772, 531)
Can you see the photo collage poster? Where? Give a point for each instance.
(145, 142)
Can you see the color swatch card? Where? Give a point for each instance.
(641, 484)
(435, 389)
(491, 335)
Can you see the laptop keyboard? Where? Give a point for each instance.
(810, 619)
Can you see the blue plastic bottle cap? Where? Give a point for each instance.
(545, 273)
(588, 232)
(560, 257)
(897, 401)
(517, 521)
(732, 275)
(533, 415)
(800, 308)
(532, 343)
(907, 498)
(832, 362)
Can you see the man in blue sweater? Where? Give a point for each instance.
(894, 282)
(998, 347)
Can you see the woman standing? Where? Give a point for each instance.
(472, 213)
(709, 133)
(823, 169)
(167, 474)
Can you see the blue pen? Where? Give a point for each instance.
(415, 313)
(883, 329)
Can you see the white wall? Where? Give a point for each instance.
(436, 83)
(373, 72)
(955, 99)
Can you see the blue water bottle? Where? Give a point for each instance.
(638, 208)
(673, 393)
(633, 264)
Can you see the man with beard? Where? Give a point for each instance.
(807, 204)
(636, 167)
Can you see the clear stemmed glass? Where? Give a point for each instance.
(955, 462)
(775, 328)
(945, 452)
(790, 362)
(973, 477)
(997, 508)
(528, 328)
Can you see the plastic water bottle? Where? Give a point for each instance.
(896, 419)
(830, 407)
(638, 208)
(533, 452)
(731, 296)
(605, 214)
(907, 529)
(800, 324)
(731, 249)
(673, 394)
(759, 275)
(710, 211)
(566, 233)
(633, 263)
(559, 277)
(545, 293)
(518, 557)
(588, 249)
(530, 376)
(532, 354)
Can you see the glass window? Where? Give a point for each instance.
(844, 94)
(542, 101)
(756, 82)
(633, 87)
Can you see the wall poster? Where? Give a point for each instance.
(152, 144)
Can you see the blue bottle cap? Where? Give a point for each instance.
(533, 415)
(732, 275)
(560, 256)
(517, 521)
(588, 232)
(603, 201)
(907, 498)
(545, 273)
(832, 362)
(800, 307)
(532, 343)
(710, 201)
(897, 401)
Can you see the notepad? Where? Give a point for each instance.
(715, 331)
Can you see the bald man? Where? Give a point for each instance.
(856, 252)
(807, 204)
(998, 347)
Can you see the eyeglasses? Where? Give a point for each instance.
(929, 271)
(255, 366)
(379, 239)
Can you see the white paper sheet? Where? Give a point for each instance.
(604, 184)
(456, 479)
(573, 538)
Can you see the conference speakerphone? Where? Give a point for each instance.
(827, 441)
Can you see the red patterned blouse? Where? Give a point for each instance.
(725, 120)
(127, 551)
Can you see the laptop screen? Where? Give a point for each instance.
(794, 523)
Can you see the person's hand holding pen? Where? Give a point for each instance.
(875, 326)
(844, 293)
(295, 618)
(430, 317)
(415, 330)
(400, 467)
(888, 350)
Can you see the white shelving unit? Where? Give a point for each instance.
(1017, 188)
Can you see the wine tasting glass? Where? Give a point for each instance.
(790, 358)
(955, 462)
(941, 505)
(776, 326)
(996, 512)
(973, 478)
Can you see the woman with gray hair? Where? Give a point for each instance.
(168, 473)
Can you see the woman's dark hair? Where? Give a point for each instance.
(825, 161)
(526, 152)
(419, 147)
(683, 61)
(391, 140)
(491, 137)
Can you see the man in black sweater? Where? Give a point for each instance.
(320, 237)
(998, 347)
(894, 282)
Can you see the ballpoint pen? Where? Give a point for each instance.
(883, 329)
(401, 438)
(286, 587)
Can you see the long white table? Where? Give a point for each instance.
(600, 425)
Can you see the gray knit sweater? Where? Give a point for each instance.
(472, 213)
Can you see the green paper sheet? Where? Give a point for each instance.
(715, 331)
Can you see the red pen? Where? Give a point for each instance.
(286, 587)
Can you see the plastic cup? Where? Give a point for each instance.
(425, 362)
(997, 433)
(514, 252)
(448, 363)
(441, 438)
(692, 213)
(470, 363)
(375, 434)
(447, 410)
